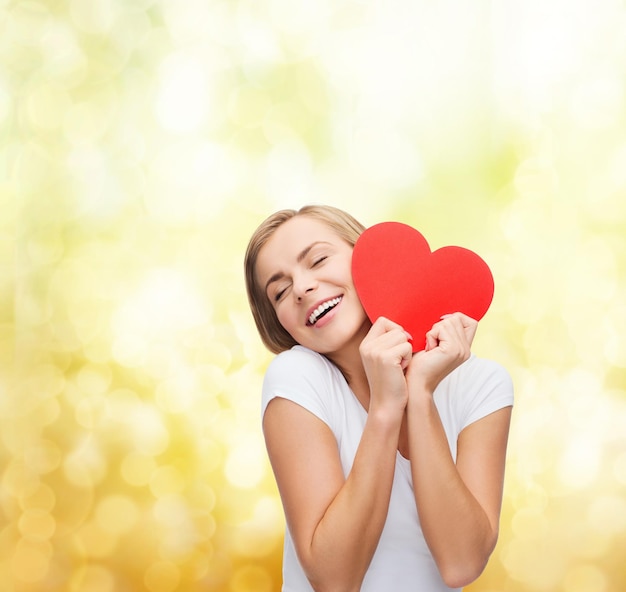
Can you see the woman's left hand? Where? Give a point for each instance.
(448, 345)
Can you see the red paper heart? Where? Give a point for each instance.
(397, 276)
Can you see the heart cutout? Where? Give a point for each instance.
(397, 276)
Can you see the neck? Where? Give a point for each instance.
(348, 360)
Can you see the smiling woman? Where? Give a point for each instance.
(305, 267)
(389, 464)
(275, 337)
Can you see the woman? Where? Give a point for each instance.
(390, 466)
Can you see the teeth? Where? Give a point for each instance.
(322, 308)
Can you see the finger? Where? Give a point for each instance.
(431, 340)
(467, 324)
(450, 336)
(384, 325)
(390, 340)
(406, 356)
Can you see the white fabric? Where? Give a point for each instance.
(402, 561)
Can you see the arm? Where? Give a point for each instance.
(458, 504)
(336, 522)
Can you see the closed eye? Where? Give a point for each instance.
(279, 294)
(319, 260)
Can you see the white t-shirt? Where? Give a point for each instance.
(402, 561)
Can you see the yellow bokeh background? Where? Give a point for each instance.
(141, 142)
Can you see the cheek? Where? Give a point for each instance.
(284, 317)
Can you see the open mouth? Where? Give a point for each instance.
(322, 309)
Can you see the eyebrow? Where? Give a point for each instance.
(301, 256)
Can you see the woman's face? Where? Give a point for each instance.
(305, 269)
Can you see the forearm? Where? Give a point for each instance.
(456, 527)
(346, 538)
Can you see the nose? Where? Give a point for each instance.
(302, 285)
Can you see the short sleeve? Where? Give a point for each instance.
(491, 389)
(304, 377)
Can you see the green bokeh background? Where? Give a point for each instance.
(142, 141)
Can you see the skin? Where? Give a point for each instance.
(336, 522)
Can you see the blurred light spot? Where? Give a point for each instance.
(205, 523)
(188, 20)
(164, 304)
(615, 324)
(5, 102)
(211, 450)
(619, 468)
(47, 106)
(180, 532)
(93, 379)
(127, 31)
(33, 168)
(246, 463)
(96, 542)
(122, 402)
(94, 17)
(533, 497)
(213, 357)
(299, 18)
(116, 514)
(529, 524)
(536, 177)
(202, 496)
(27, 22)
(312, 91)
(137, 469)
(598, 103)
(178, 394)
(263, 533)
(191, 181)
(130, 146)
(594, 277)
(251, 577)
(585, 578)
(86, 465)
(45, 247)
(94, 578)
(183, 98)
(616, 168)
(212, 380)
(96, 192)
(129, 350)
(84, 123)
(171, 511)
(31, 560)
(19, 479)
(42, 498)
(589, 544)
(386, 157)
(548, 568)
(162, 576)
(64, 63)
(607, 514)
(43, 457)
(286, 121)
(260, 42)
(580, 461)
(166, 480)
(91, 412)
(148, 433)
(248, 106)
(289, 170)
(37, 524)
(198, 563)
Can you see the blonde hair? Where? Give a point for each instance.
(272, 333)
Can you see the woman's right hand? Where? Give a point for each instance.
(386, 353)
